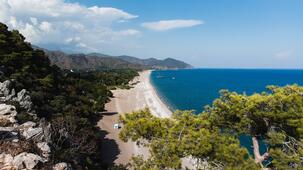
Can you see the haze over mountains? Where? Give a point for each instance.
(97, 61)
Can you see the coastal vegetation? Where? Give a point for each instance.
(211, 138)
(69, 100)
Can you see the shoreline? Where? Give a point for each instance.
(163, 111)
(142, 95)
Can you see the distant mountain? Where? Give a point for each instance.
(88, 62)
(97, 61)
(152, 63)
(168, 63)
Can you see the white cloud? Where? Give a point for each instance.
(128, 32)
(62, 23)
(285, 54)
(171, 24)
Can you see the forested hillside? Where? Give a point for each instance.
(88, 62)
(153, 63)
(70, 101)
(97, 61)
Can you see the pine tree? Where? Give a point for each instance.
(274, 116)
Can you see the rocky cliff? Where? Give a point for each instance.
(23, 145)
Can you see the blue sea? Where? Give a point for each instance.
(193, 89)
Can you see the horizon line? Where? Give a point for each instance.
(248, 68)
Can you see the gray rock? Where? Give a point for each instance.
(6, 159)
(24, 100)
(27, 160)
(15, 140)
(31, 133)
(62, 166)
(39, 132)
(10, 96)
(7, 129)
(8, 113)
(43, 146)
(6, 91)
(5, 88)
(27, 125)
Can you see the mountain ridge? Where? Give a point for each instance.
(99, 61)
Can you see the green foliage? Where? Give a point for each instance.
(283, 160)
(275, 116)
(184, 135)
(138, 163)
(276, 138)
(280, 108)
(68, 100)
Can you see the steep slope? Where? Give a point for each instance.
(97, 61)
(168, 63)
(88, 62)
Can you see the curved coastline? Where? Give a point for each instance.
(162, 97)
(142, 95)
(156, 104)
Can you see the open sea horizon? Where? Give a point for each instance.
(192, 89)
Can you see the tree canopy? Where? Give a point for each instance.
(212, 137)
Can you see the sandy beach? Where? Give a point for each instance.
(142, 95)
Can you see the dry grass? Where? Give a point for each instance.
(15, 148)
(4, 123)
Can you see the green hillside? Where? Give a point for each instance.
(97, 61)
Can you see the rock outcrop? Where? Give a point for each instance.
(43, 146)
(6, 91)
(26, 160)
(22, 146)
(62, 166)
(7, 114)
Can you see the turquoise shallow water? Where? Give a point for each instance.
(195, 88)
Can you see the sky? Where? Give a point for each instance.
(204, 33)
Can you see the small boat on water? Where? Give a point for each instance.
(165, 77)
